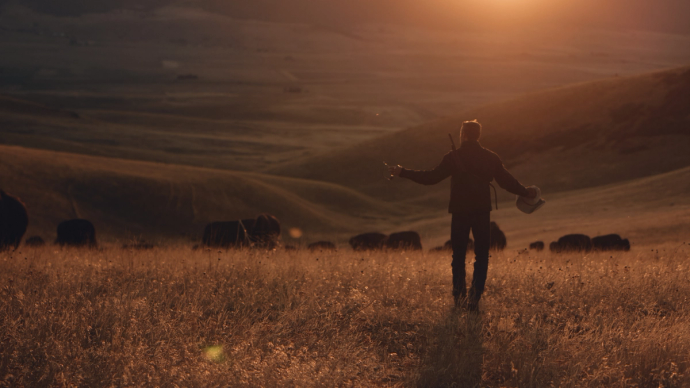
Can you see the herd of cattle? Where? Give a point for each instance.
(264, 232)
(14, 221)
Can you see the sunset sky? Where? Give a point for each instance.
(662, 15)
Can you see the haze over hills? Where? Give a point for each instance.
(573, 137)
(659, 15)
(180, 84)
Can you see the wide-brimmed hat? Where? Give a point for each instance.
(530, 205)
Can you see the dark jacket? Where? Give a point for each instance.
(472, 168)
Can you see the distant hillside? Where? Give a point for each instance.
(649, 211)
(14, 106)
(574, 137)
(128, 198)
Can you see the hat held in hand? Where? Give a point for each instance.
(530, 205)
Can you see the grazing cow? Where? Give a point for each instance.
(572, 243)
(321, 246)
(368, 241)
(248, 224)
(34, 241)
(610, 242)
(449, 245)
(537, 246)
(224, 234)
(265, 232)
(553, 247)
(77, 233)
(498, 238)
(140, 245)
(404, 240)
(13, 221)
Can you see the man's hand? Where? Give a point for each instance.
(531, 192)
(395, 170)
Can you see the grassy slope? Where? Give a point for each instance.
(589, 135)
(648, 210)
(569, 138)
(126, 198)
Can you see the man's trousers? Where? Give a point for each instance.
(479, 224)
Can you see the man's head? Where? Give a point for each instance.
(470, 130)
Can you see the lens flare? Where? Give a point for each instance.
(295, 232)
(214, 353)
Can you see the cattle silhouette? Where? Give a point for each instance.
(448, 246)
(610, 242)
(498, 238)
(537, 246)
(404, 240)
(225, 234)
(321, 246)
(34, 241)
(248, 224)
(553, 247)
(140, 245)
(265, 232)
(572, 243)
(13, 221)
(76, 233)
(368, 241)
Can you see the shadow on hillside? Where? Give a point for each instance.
(455, 355)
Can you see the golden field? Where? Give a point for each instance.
(176, 317)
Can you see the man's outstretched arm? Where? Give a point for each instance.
(508, 182)
(425, 177)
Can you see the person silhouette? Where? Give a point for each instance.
(472, 168)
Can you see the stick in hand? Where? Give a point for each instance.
(393, 171)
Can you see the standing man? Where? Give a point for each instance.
(472, 168)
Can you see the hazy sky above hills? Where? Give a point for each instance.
(657, 15)
(664, 15)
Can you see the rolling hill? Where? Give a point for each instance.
(160, 202)
(563, 139)
(128, 199)
(183, 85)
(649, 211)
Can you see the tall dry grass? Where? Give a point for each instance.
(173, 317)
